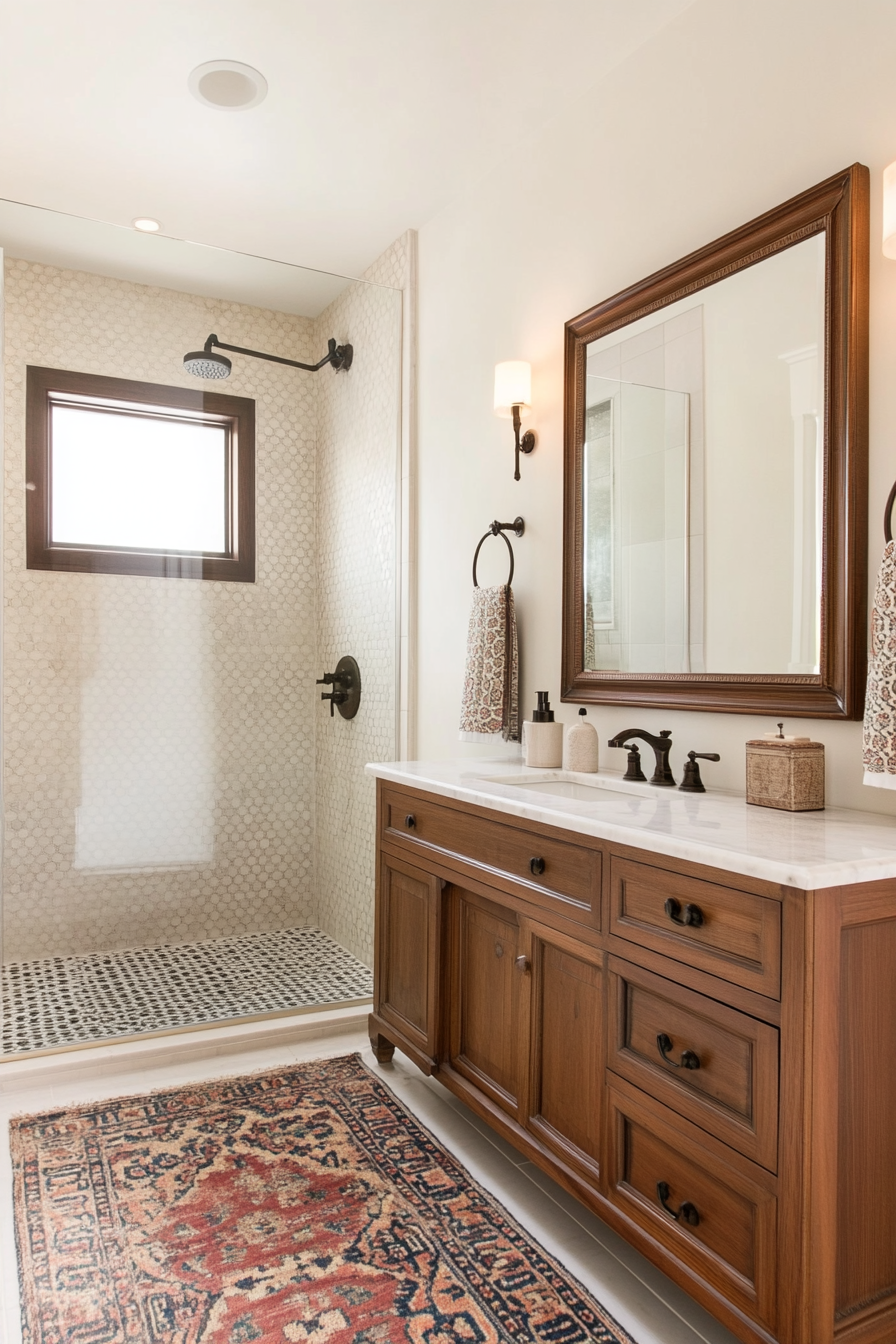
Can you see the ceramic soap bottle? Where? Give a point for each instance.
(582, 746)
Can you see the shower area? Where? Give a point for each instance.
(188, 832)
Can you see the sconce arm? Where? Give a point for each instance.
(521, 445)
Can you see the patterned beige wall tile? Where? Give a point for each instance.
(161, 726)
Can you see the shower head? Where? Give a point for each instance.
(206, 364)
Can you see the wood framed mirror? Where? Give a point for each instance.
(715, 473)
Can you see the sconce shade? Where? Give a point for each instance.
(889, 241)
(513, 387)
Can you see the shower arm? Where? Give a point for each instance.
(340, 356)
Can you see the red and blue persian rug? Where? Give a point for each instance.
(301, 1205)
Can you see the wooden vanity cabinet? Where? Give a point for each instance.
(706, 1060)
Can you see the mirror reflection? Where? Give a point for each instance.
(703, 478)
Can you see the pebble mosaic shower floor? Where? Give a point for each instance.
(63, 1001)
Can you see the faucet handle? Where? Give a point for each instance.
(691, 781)
(633, 770)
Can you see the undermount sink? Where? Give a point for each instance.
(563, 784)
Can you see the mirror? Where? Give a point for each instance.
(715, 472)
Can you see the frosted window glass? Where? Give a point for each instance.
(136, 482)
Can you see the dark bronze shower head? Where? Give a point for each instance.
(205, 363)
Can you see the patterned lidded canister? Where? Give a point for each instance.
(786, 774)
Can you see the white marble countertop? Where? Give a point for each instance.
(796, 849)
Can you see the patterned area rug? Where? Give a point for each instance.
(301, 1205)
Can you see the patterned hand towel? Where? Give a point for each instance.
(491, 680)
(879, 739)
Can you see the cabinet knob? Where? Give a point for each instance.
(499, 950)
(410, 821)
(536, 867)
(686, 1212)
(692, 916)
(522, 964)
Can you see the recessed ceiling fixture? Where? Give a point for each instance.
(228, 85)
(147, 225)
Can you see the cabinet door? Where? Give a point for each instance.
(484, 991)
(407, 931)
(566, 1050)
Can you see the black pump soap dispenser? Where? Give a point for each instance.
(544, 713)
(542, 737)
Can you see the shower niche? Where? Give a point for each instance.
(188, 834)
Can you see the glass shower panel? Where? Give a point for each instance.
(170, 771)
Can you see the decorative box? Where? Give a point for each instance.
(786, 772)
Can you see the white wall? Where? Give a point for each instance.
(723, 115)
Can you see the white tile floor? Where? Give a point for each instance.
(644, 1301)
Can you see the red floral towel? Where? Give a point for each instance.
(879, 755)
(491, 681)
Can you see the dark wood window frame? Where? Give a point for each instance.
(46, 387)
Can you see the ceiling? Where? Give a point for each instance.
(379, 111)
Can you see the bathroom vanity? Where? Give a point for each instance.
(681, 1007)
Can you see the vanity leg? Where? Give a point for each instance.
(383, 1049)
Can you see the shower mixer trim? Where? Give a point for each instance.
(205, 363)
(346, 682)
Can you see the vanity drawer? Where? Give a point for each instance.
(712, 1209)
(729, 933)
(567, 870)
(715, 1066)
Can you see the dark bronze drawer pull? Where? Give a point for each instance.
(687, 1210)
(410, 821)
(693, 915)
(688, 1059)
(499, 950)
(522, 964)
(536, 867)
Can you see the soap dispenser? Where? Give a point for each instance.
(582, 746)
(542, 737)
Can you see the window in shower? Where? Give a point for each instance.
(137, 478)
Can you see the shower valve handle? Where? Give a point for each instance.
(334, 697)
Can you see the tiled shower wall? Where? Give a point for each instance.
(362, 478)
(179, 712)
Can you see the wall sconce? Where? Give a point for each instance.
(513, 400)
(889, 239)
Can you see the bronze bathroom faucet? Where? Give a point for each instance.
(662, 775)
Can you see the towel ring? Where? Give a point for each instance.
(498, 530)
(888, 510)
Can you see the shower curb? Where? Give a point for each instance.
(183, 1044)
